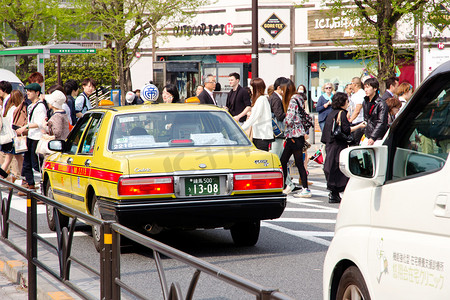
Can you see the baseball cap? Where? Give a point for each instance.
(34, 87)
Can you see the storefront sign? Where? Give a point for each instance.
(314, 68)
(442, 19)
(273, 26)
(203, 29)
(321, 26)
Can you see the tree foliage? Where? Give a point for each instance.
(37, 21)
(378, 25)
(126, 23)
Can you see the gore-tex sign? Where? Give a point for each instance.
(203, 29)
(273, 26)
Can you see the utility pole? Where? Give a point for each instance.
(255, 41)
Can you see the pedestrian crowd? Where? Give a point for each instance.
(29, 121)
(276, 118)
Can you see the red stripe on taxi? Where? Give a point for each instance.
(83, 171)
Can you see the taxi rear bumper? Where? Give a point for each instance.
(202, 212)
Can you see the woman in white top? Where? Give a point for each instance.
(261, 116)
(15, 100)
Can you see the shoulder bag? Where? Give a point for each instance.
(305, 118)
(277, 131)
(337, 131)
(6, 134)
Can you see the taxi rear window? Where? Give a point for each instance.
(148, 130)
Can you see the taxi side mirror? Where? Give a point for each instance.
(56, 145)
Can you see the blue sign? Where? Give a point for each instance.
(149, 92)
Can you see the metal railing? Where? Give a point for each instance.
(111, 285)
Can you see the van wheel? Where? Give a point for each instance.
(51, 211)
(352, 286)
(96, 235)
(245, 233)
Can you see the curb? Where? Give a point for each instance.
(16, 271)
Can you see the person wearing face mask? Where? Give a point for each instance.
(170, 94)
(324, 103)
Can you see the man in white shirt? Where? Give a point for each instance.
(37, 113)
(358, 113)
(82, 103)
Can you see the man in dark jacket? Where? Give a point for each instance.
(391, 86)
(375, 112)
(238, 99)
(206, 96)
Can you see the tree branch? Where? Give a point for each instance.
(363, 11)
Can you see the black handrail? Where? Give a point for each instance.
(109, 275)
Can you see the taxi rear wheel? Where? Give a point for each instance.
(95, 211)
(352, 286)
(51, 212)
(245, 233)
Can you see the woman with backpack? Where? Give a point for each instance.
(297, 123)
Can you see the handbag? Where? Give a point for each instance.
(277, 132)
(42, 145)
(337, 131)
(20, 117)
(20, 144)
(6, 133)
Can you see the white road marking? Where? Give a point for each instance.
(312, 210)
(53, 234)
(20, 204)
(304, 220)
(301, 234)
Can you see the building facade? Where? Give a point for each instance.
(301, 42)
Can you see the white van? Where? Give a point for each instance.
(7, 75)
(392, 236)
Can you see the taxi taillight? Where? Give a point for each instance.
(145, 186)
(258, 181)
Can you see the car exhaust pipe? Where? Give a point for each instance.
(152, 228)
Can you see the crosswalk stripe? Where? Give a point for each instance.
(53, 234)
(20, 204)
(312, 210)
(300, 234)
(303, 220)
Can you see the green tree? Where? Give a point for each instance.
(126, 23)
(378, 20)
(37, 21)
(81, 66)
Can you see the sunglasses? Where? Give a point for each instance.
(328, 88)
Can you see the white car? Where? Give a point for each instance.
(392, 236)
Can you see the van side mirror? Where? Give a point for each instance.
(368, 163)
(362, 162)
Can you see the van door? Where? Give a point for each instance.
(408, 255)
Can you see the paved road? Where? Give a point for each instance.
(288, 256)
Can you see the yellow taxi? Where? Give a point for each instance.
(165, 166)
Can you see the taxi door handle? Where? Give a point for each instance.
(87, 163)
(70, 160)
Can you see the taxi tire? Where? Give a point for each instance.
(245, 233)
(51, 211)
(352, 284)
(96, 228)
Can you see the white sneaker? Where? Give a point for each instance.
(288, 190)
(304, 193)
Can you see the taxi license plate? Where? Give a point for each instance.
(198, 186)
